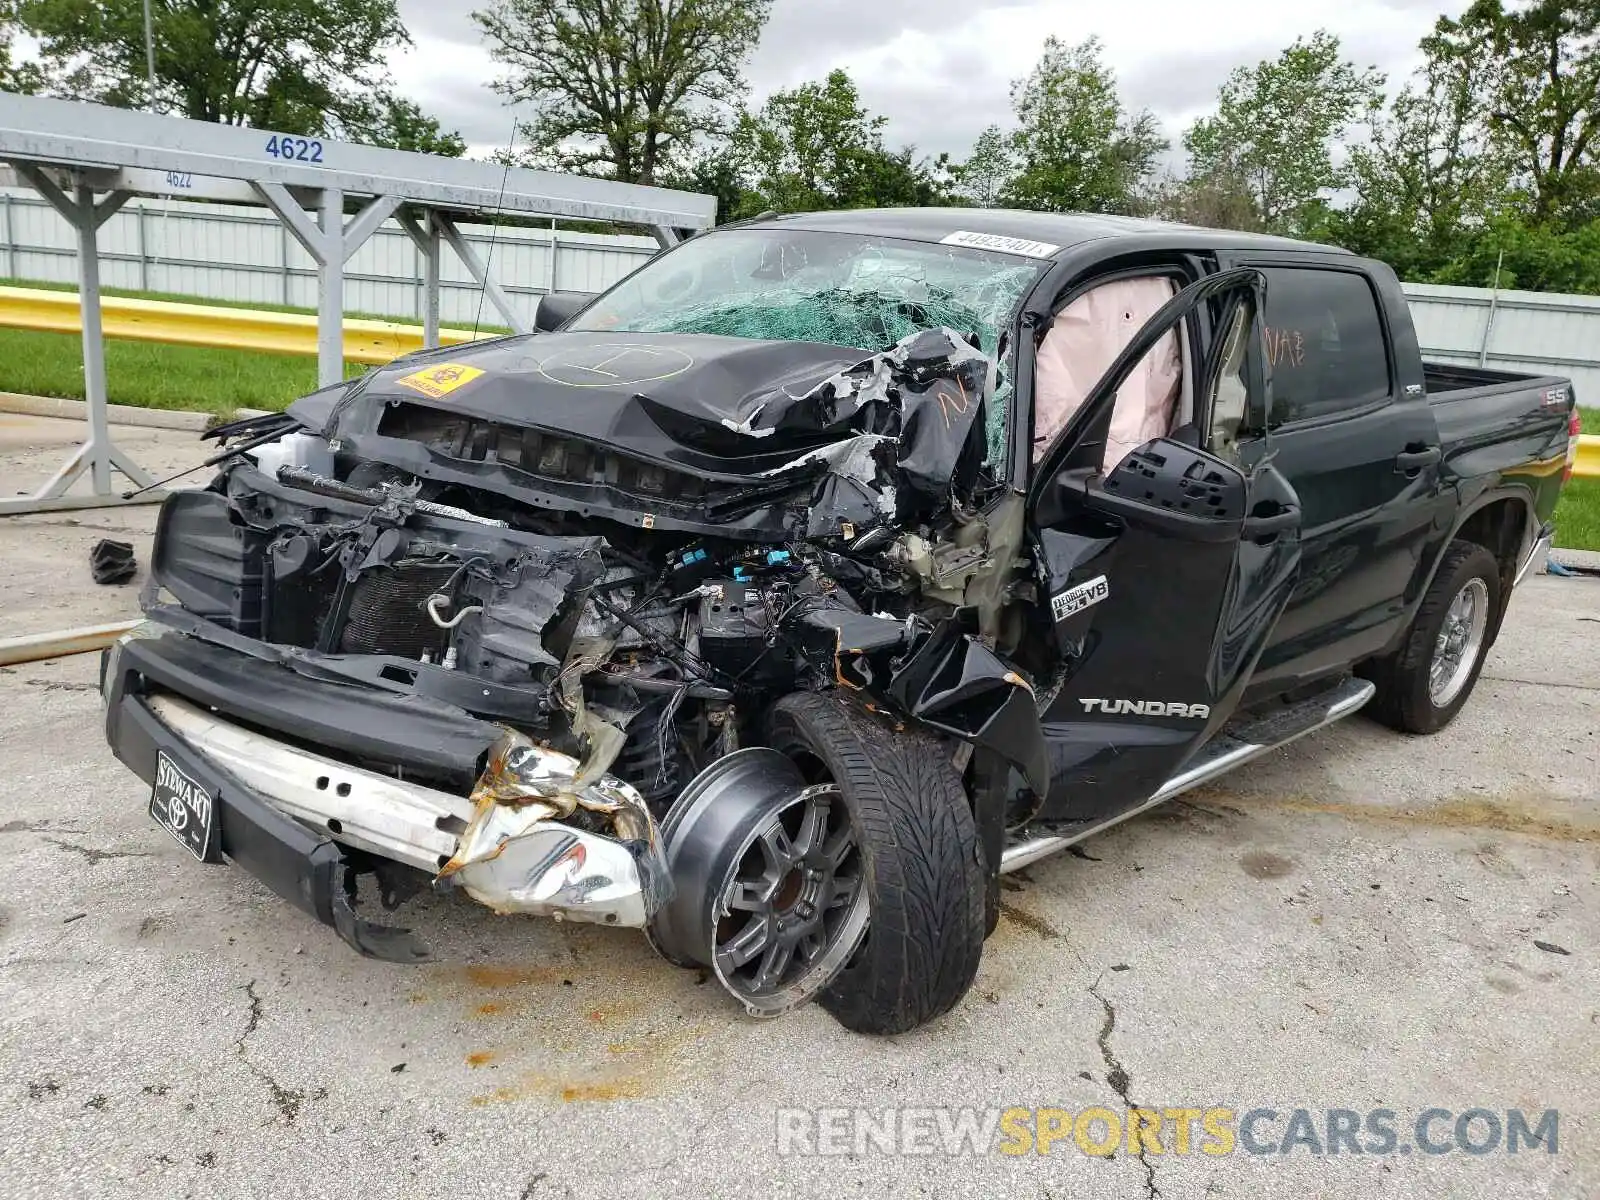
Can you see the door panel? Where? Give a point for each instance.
(1366, 528)
(1362, 459)
(1165, 577)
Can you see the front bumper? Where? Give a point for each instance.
(309, 870)
(291, 816)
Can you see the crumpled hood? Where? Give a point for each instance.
(736, 423)
(669, 398)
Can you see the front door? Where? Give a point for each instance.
(1164, 576)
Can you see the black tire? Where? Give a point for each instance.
(1402, 700)
(921, 861)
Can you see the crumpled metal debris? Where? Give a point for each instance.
(602, 730)
(518, 854)
(952, 682)
(918, 412)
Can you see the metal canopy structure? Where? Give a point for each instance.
(87, 160)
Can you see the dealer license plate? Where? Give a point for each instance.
(183, 807)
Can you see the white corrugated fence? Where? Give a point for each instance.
(226, 252)
(1541, 333)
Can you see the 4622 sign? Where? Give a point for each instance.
(298, 149)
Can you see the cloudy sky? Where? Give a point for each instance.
(940, 70)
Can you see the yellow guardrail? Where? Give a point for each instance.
(1588, 464)
(365, 341)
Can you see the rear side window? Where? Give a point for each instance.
(1324, 338)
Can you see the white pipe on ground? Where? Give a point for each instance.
(31, 647)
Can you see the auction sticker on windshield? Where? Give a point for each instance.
(1000, 242)
(440, 380)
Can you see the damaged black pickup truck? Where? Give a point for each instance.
(817, 574)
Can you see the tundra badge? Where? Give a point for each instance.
(1149, 708)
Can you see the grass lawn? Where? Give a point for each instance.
(152, 375)
(1578, 515)
(208, 301)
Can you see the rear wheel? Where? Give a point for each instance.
(920, 862)
(1423, 685)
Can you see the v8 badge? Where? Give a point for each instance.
(1076, 599)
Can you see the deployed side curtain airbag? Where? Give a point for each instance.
(1083, 340)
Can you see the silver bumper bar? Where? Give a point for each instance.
(534, 865)
(1538, 554)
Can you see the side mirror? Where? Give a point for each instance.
(557, 308)
(1180, 489)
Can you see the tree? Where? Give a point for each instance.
(310, 67)
(24, 77)
(622, 88)
(1513, 252)
(1076, 147)
(395, 122)
(1276, 126)
(1427, 180)
(1215, 201)
(804, 148)
(1535, 87)
(1485, 168)
(715, 171)
(984, 178)
(817, 147)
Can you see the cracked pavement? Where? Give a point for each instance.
(1117, 1078)
(1360, 920)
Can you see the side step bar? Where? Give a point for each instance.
(1229, 749)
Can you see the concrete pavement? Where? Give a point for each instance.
(1355, 922)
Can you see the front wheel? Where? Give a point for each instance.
(1424, 684)
(921, 861)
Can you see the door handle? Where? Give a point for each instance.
(1265, 528)
(1411, 462)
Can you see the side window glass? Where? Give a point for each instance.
(1324, 338)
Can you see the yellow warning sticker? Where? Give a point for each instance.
(440, 380)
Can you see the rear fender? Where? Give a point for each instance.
(1522, 501)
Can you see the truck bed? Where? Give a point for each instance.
(1475, 406)
(1501, 427)
(1445, 381)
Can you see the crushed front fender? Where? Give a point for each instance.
(952, 682)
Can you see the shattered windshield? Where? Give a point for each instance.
(782, 284)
